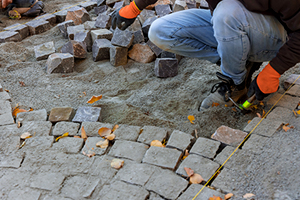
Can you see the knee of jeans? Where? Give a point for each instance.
(156, 35)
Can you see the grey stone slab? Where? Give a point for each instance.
(146, 25)
(118, 5)
(135, 26)
(281, 114)
(150, 133)
(65, 127)
(154, 48)
(103, 21)
(5, 96)
(60, 63)
(286, 101)
(145, 14)
(22, 29)
(224, 180)
(11, 130)
(205, 147)
(291, 80)
(154, 196)
(136, 173)
(122, 38)
(72, 30)
(162, 157)
(38, 143)
(179, 140)
(101, 48)
(91, 128)
(51, 18)
(100, 9)
(206, 193)
(55, 197)
(68, 145)
(9, 145)
(107, 172)
(61, 15)
(87, 114)
(166, 67)
(179, 5)
(264, 127)
(43, 51)
(166, 54)
(127, 132)
(203, 166)
(36, 128)
(255, 143)
(78, 16)
(163, 10)
(6, 119)
(118, 56)
(75, 48)
(120, 190)
(128, 149)
(101, 34)
(47, 181)
(89, 25)
(11, 161)
(35, 115)
(294, 91)
(138, 37)
(167, 184)
(84, 37)
(90, 146)
(21, 194)
(10, 36)
(38, 26)
(88, 5)
(63, 27)
(5, 107)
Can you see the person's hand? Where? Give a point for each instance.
(5, 3)
(265, 83)
(124, 17)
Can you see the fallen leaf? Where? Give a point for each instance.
(286, 128)
(295, 113)
(234, 109)
(164, 142)
(191, 118)
(6, 90)
(186, 153)
(102, 144)
(261, 103)
(226, 105)
(115, 128)
(89, 154)
(228, 196)
(298, 112)
(22, 83)
(17, 110)
(258, 115)
(254, 106)
(83, 134)
(215, 104)
(84, 93)
(248, 195)
(62, 136)
(30, 109)
(110, 137)
(117, 163)
(156, 143)
(249, 121)
(22, 145)
(103, 132)
(93, 99)
(215, 198)
(264, 113)
(189, 171)
(26, 135)
(76, 136)
(196, 179)
(19, 124)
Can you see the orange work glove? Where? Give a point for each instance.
(265, 83)
(124, 17)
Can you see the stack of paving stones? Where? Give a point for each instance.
(42, 167)
(95, 35)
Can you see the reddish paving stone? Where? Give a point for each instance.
(141, 53)
(229, 136)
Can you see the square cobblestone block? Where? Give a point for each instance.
(135, 26)
(5, 107)
(146, 25)
(141, 53)
(154, 48)
(224, 180)
(22, 29)
(205, 147)
(78, 16)
(121, 190)
(63, 27)
(43, 51)
(179, 140)
(136, 173)
(38, 143)
(107, 172)
(35, 115)
(154, 196)
(38, 26)
(118, 56)
(100, 49)
(89, 5)
(75, 48)
(255, 143)
(101, 34)
(150, 133)
(91, 128)
(265, 128)
(286, 101)
(61, 114)
(51, 18)
(162, 157)
(24, 194)
(9, 145)
(9, 36)
(5, 96)
(72, 30)
(103, 21)
(47, 181)
(87, 114)
(11, 161)
(290, 80)
(126, 132)
(11, 130)
(37, 128)
(128, 149)
(145, 14)
(179, 5)
(61, 15)
(122, 38)
(90, 146)
(60, 63)
(294, 91)
(229, 136)
(89, 25)
(203, 166)
(65, 127)
(160, 184)
(166, 67)
(68, 145)
(84, 37)
(100, 9)
(206, 193)
(138, 37)
(281, 114)
(6, 119)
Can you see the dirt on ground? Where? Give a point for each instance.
(132, 94)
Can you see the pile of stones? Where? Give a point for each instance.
(87, 26)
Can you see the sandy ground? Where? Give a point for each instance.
(132, 94)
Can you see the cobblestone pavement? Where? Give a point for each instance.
(44, 167)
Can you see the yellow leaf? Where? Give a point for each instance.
(249, 121)
(248, 195)
(189, 171)
(103, 132)
(93, 99)
(261, 103)
(117, 163)
(17, 110)
(62, 136)
(156, 143)
(115, 128)
(83, 134)
(228, 196)
(298, 112)
(110, 137)
(191, 118)
(196, 179)
(215, 198)
(102, 144)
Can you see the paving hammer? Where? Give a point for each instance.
(244, 108)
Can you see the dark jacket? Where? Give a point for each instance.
(287, 12)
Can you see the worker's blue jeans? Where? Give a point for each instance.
(233, 34)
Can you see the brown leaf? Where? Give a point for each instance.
(248, 195)
(215, 198)
(22, 84)
(215, 104)
(286, 128)
(228, 196)
(17, 110)
(295, 113)
(117, 163)
(156, 143)
(103, 132)
(191, 118)
(249, 121)
(76, 136)
(115, 128)
(258, 115)
(83, 134)
(196, 179)
(110, 137)
(189, 171)
(89, 154)
(102, 144)
(93, 99)
(234, 109)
